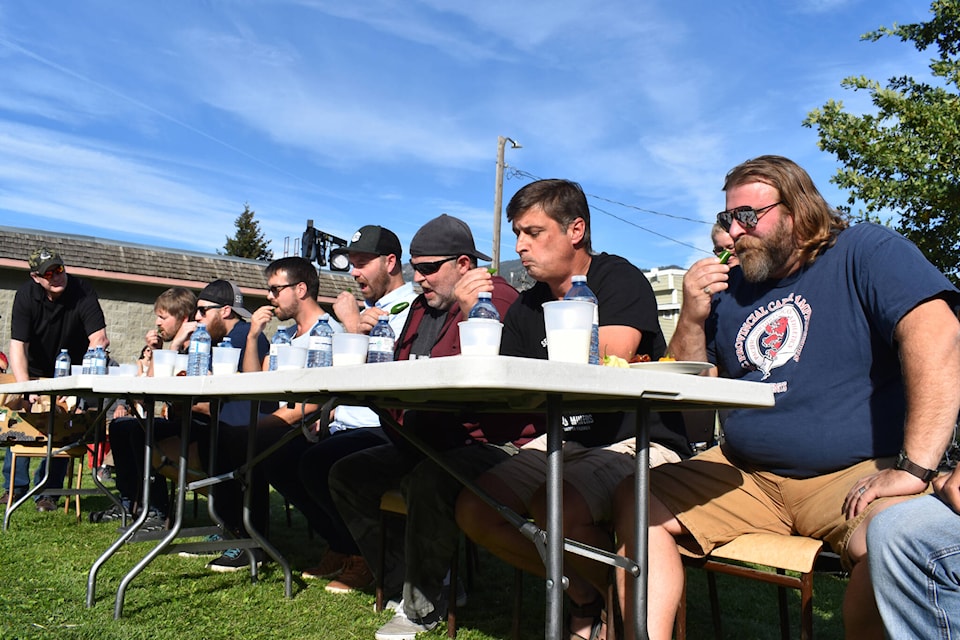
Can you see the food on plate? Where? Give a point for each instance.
(640, 357)
(668, 358)
(615, 361)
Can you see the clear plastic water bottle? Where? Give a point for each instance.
(381, 341)
(484, 309)
(198, 355)
(98, 365)
(279, 338)
(61, 367)
(580, 291)
(226, 343)
(320, 347)
(87, 367)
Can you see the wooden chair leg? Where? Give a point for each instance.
(517, 603)
(452, 591)
(79, 484)
(714, 605)
(784, 611)
(806, 606)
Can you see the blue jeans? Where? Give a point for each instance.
(914, 555)
(21, 477)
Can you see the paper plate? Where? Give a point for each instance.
(672, 366)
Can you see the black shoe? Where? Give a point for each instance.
(155, 521)
(46, 503)
(112, 514)
(5, 498)
(235, 560)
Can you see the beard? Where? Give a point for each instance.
(762, 258)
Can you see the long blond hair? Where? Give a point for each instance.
(815, 223)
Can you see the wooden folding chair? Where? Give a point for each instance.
(766, 557)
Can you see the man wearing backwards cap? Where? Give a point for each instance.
(444, 260)
(51, 311)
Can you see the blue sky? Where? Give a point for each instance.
(155, 122)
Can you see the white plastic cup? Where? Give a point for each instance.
(225, 360)
(479, 337)
(164, 362)
(569, 324)
(76, 369)
(291, 357)
(350, 348)
(126, 370)
(180, 364)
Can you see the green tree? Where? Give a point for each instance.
(904, 157)
(248, 242)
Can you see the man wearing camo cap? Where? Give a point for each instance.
(51, 311)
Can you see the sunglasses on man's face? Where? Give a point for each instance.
(53, 271)
(746, 216)
(430, 268)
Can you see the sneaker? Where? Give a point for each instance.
(235, 560)
(331, 565)
(104, 473)
(401, 627)
(213, 537)
(356, 576)
(112, 514)
(46, 503)
(155, 521)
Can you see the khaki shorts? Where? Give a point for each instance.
(594, 471)
(716, 501)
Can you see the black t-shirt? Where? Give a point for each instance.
(48, 326)
(625, 298)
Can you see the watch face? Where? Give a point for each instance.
(339, 260)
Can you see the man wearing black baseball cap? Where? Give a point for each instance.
(51, 311)
(444, 259)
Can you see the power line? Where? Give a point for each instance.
(525, 174)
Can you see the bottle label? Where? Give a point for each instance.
(320, 343)
(381, 343)
(198, 346)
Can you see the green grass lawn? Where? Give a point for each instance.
(45, 559)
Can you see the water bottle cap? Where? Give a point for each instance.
(578, 279)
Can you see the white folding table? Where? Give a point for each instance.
(500, 384)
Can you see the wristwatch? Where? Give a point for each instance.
(905, 464)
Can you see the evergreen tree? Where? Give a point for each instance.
(248, 242)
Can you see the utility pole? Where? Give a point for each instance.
(498, 197)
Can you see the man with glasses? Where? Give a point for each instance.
(857, 334)
(444, 259)
(51, 311)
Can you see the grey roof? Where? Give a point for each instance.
(111, 256)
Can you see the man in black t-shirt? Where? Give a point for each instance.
(551, 220)
(51, 311)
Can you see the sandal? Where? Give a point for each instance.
(593, 610)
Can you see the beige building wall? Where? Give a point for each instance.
(667, 285)
(128, 278)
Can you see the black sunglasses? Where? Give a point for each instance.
(202, 310)
(746, 216)
(430, 268)
(275, 289)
